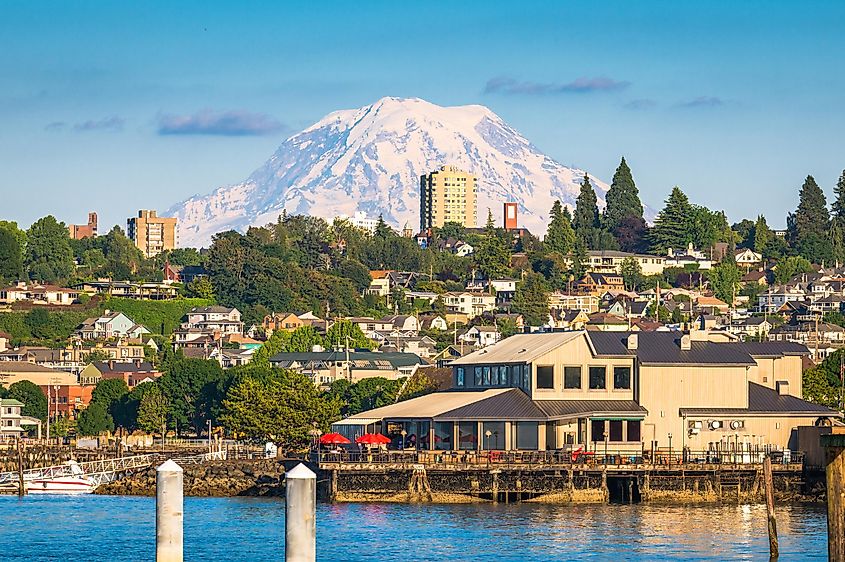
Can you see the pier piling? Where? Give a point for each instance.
(300, 515)
(834, 446)
(169, 510)
(774, 550)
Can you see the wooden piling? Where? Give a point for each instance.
(834, 446)
(300, 515)
(770, 508)
(169, 512)
(21, 483)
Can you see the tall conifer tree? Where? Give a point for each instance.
(811, 224)
(673, 225)
(586, 218)
(623, 198)
(559, 237)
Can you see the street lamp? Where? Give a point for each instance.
(487, 434)
(670, 450)
(404, 433)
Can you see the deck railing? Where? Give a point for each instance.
(557, 458)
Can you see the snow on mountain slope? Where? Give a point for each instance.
(371, 159)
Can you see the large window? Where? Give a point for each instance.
(572, 377)
(443, 436)
(598, 378)
(424, 439)
(459, 376)
(634, 431)
(546, 377)
(478, 380)
(486, 375)
(526, 436)
(622, 378)
(467, 436)
(615, 431)
(494, 435)
(597, 430)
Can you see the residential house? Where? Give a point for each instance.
(629, 309)
(129, 290)
(596, 284)
(463, 249)
(10, 418)
(562, 319)
(324, 367)
(566, 301)
(618, 391)
(214, 319)
(286, 321)
(110, 325)
(681, 258)
(243, 342)
(381, 284)
(403, 323)
(470, 304)
(433, 322)
(748, 258)
(132, 373)
(753, 327)
(606, 322)
(422, 346)
(183, 273)
(711, 305)
(610, 261)
(66, 395)
(481, 336)
(772, 300)
(5, 341)
(755, 277)
(37, 293)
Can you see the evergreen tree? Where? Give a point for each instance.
(586, 219)
(812, 223)
(762, 235)
(531, 299)
(49, 256)
(623, 198)
(11, 267)
(673, 225)
(837, 220)
(382, 230)
(559, 237)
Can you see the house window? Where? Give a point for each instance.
(615, 431)
(486, 376)
(478, 379)
(546, 377)
(459, 376)
(598, 378)
(572, 377)
(634, 431)
(597, 430)
(622, 378)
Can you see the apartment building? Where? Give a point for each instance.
(150, 233)
(448, 195)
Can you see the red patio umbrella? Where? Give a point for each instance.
(372, 439)
(334, 439)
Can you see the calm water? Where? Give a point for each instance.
(123, 529)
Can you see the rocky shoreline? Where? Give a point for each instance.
(257, 478)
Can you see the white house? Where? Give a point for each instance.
(748, 258)
(110, 325)
(471, 304)
(481, 336)
(210, 319)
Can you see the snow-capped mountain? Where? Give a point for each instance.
(371, 159)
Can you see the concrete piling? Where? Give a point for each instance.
(169, 512)
(300, 515)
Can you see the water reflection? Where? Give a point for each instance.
(84, 528)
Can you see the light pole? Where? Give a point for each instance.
(487, 435)
(404, 433)
(670, 450)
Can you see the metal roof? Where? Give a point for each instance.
(764, 400)
(428, 406)
(773, 348)
(558, 409)
(521, 348)
(664, 348)
(512, 405)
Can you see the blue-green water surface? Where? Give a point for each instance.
(114, 528)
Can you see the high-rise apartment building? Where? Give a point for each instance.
(151, 233)
(448, 195)
(80, 231)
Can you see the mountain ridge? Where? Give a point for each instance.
(370, 159)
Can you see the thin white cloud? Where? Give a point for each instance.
(227, 123)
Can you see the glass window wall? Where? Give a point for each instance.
(443, 436)
(467, 436)
(494, 435)
(526, 436)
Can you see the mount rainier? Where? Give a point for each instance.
(371, 159)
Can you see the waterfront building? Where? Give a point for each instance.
(150, 233)
(619, 391)
(448, 195)
(80, 231)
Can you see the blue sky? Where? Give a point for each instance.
(116, 106)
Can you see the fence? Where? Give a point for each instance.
(572, 458)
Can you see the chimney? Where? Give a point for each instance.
(686, 342)
(633, 342)
(782, 387)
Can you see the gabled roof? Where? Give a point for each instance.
(663, 348)
(513, 404)
(430, 405)
(520, 348)
(119, 367)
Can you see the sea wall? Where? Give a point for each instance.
(218, 478)
(564, 486)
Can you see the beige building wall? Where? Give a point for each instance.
(152, 234)
(448, 195)
(769, 371)
(577, 353)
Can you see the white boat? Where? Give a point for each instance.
(74, 483)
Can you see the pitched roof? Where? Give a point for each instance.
(566, 408)
(764, 400)
(520, 348)
(663, 348)
(513, 404)
(430, 405)
(127, 367)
